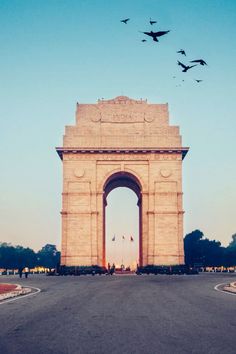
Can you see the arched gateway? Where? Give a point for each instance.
(123, 179)
(129, 143)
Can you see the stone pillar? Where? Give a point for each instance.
(145, 233)
(100, 227)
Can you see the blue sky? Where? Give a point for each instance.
(55, 53)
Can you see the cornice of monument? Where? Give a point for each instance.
(74, 150)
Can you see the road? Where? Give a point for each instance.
(120, 314)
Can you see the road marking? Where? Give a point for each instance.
(21, 296)
(223, 291)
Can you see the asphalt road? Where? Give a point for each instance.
(120, 314)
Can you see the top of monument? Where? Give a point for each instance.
(122, 100)
(122, 122)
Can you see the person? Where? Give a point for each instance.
(112, 270)
(20, 271)
(26, 272)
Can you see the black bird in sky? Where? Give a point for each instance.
(125, 20)
(200, 61)
(185, 67)
(144, 40)
(181, 51)
(198, 80)
(152, 22)
(154, 35)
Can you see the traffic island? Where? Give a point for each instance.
(8, 291)
(230, 287)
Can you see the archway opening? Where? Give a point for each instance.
(122, 223)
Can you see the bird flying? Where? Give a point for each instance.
(152, 22)
(200, 61)
(185, 67)
(154, 35)
(125, 20)
(198, 80)
(181, 51)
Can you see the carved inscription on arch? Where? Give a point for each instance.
(168, 157)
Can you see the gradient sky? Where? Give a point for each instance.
(54, 53)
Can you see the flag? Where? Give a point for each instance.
(123, 237)
(131, 239)
(113, 238)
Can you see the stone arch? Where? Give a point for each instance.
(124, 176)
(115, 138)
(104, 178)
(123, 179)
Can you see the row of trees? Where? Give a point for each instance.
(15, 257)
(199, 250)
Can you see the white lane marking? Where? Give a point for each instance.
(21, 296)
(223, 291)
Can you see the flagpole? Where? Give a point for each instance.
(130, 251)
(122, 250)
(113, 248)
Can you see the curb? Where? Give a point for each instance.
(231, 288)
(18, 291)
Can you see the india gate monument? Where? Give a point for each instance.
(122, 142)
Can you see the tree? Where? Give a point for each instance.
(48, 256)
(15, 257)
(212, 252)
(192, 248)
(230, 253)
(233, 242)
(25, 257)
(202, 251)
(7, 256)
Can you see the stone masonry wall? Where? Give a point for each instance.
(111, 137)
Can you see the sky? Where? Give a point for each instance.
(122, 228)
(54, 53)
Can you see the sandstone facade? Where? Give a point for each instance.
(122, 142)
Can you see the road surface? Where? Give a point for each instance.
(120, 314)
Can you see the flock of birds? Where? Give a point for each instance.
(156, 35)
